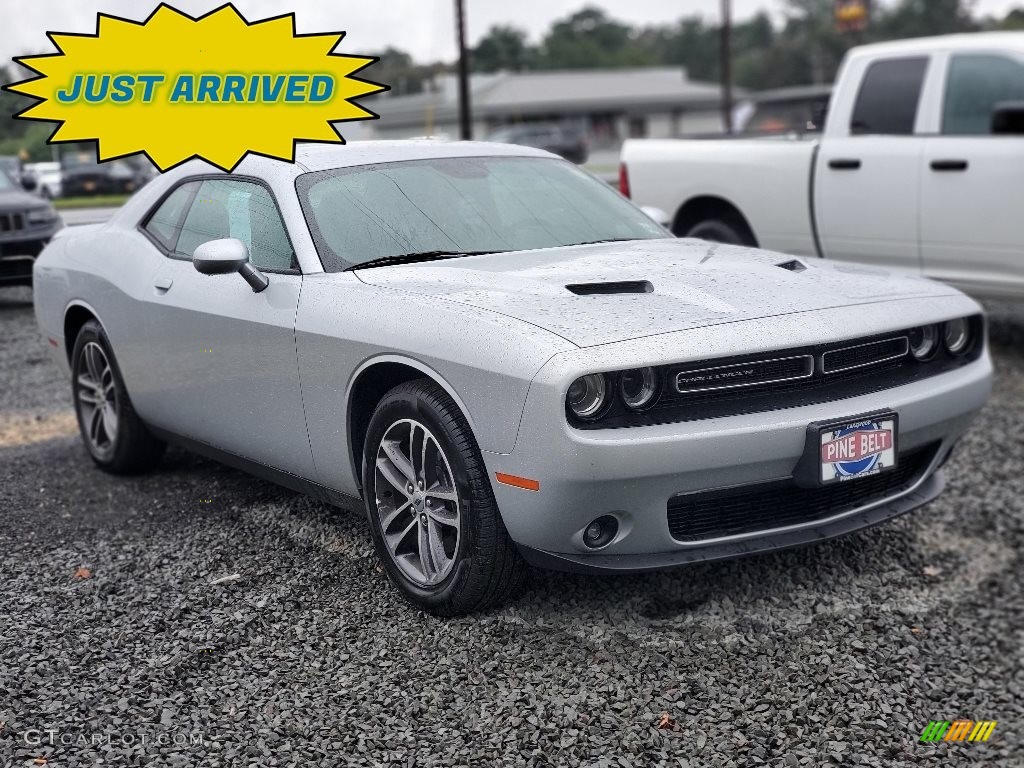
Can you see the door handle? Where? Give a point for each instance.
(844, 164)
(163, 283)
(949, 165)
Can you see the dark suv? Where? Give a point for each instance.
(83, 176)
(27, 223)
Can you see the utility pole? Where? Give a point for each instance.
(725, 52)
(465, 113)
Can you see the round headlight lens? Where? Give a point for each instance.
(924, 341)
(957, 335)
(638, 388)
(587, 395)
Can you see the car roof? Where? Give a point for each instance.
(318, 157)
(970, 41)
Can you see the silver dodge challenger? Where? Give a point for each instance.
(504, 362)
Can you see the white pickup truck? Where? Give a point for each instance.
(920, 165)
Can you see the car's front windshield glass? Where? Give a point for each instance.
(6, 182)
(462, 204)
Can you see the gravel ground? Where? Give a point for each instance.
(834, 654)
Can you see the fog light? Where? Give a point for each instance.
(600, 532)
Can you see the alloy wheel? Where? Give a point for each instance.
(96, 399)
(417, 502)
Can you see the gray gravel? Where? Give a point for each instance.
(834, 654)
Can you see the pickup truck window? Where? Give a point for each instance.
(974, 85)
(887, 100)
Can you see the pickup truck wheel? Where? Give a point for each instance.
(113, 433)
(433, 517)
(724, 230)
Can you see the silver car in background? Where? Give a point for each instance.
(503, 361)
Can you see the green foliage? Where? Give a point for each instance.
(804, 48)
(503, 48)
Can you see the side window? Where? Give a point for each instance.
(888, 96)
(165, 222)
(975, 84)
(240, 209)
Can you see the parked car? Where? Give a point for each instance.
(919, 167)
(502, 360)
(48, 177)
(13, 167)
(26, 225)
(563, 140)
(84, 176)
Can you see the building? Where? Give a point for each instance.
(609, 105)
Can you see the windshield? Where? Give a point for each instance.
(462, 204)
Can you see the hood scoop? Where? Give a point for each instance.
(793, 265)
(610, 288)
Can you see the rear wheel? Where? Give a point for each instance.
(433, 517)
(727, 229)
(116, 438)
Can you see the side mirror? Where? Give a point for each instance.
(657, 214)
(1008, 118)
(222, 257)
(29, 182)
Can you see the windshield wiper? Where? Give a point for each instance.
(411, 258)
(607, 240)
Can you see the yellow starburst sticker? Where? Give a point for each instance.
(176, 87)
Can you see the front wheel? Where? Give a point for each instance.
(433, 517)
(113, 433)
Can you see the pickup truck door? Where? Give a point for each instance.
(223, 367)
(972, 182)
(866, 178)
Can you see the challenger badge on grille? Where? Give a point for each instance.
(745, 374)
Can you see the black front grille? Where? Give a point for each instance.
(12, 222)
(735, 511)
(861, 355)
(775, 380)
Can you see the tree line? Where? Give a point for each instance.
(805, 47)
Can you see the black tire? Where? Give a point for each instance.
(132, 449)
(486, 567)
(727, 229)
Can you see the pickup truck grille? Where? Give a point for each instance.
(787, 378)
(12, 222)
(737, 511)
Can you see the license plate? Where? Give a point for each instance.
(89, 186)
(860, 448)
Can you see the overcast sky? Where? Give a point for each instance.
(425, 28)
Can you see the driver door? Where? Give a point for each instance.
(225, 370)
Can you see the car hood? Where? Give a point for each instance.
(15, 199)
(657, 286)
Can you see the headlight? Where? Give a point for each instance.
(957, 335)
(587, 395)
(638, 388)
(41, 215)
(924, 341)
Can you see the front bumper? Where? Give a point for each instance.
(632, 473)
(17, 258)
